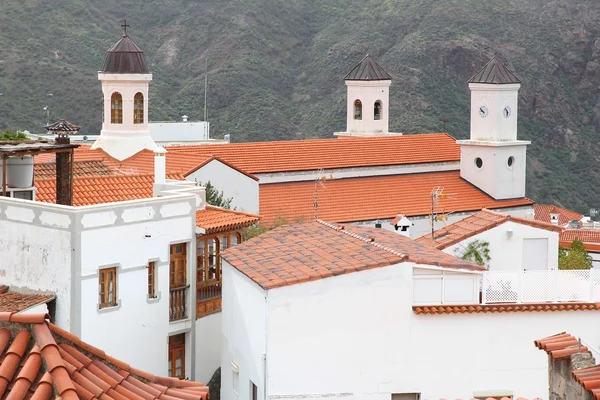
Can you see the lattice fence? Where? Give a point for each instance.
(540, 286)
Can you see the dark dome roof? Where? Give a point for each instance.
(125, 57)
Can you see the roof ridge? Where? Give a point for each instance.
(209, 206)
(364, 239)
(24, 318)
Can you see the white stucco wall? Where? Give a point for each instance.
(368, 92)
(208, 346)
(356, 336)
(36, 255)
(244, 335)
(241, 188)
(143, 325)
(506, 253)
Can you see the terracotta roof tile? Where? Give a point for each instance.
(372, 198)
(563, 345)
(80, 168)
(41, 361)
(88, 190)
(543, 211)
(504, 307)
(474, 224)
(314, 250)
(215, 219)
(16, 301)
(307, 155)
(585, 235)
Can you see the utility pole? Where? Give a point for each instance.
(205, 89)
(444, 120)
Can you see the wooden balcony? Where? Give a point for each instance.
(177, 303)
(208, 298)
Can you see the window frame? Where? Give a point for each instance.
(152, 292)
(138, 108)
(177, 270)
(174, 350)
(104, 287)
(116, 108)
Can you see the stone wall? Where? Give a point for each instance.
(561, 382)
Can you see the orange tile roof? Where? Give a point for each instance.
(80, 168)
(306, 155)
(474, 224)
(314, 250)
(41, 361)
(564, 345)
(585, 235)
(180, 159)
(543, 211)
(372, 198)
(16, 301)
(215, 219)
(504, 307)
(88, 190)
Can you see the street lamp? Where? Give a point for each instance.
(47, 109)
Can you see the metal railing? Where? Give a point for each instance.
(540, 286)
(177, 303)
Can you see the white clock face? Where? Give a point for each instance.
(506, 112)
(483, 111)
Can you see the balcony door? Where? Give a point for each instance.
(177, 282)
(177, 356)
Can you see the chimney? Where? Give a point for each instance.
(64, 160)
(554, 216)
(185, 118)
(160, 166)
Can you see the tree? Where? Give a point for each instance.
(216, 198)
(575, 257)
(478, 251)
(7, 135)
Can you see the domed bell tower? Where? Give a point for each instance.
(125, 81)
(368, 100)
(493, 159)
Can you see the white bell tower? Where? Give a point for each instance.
(125, 82)
(493, 159)
(368, 100)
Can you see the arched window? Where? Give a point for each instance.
(116, 108)
(357, 109)
(138, 108)
(377, 111)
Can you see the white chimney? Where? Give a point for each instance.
(185, 118)
(554, 218)
(160, 166)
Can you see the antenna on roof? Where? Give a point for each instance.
(444, 120)
(320, 181)
(437, 194)
(205, 88)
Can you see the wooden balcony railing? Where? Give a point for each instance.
(177, 303)
(208, 298)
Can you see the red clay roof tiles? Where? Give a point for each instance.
(543, 211)
(88, 190)
(307, 155)
(314, 250)
(41, 361)
(505, 307)
(372, 198)
(80, 168)
(476, 223)
(16, 302)
(585, 235)
(215, 219)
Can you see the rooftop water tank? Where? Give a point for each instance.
(19, 172)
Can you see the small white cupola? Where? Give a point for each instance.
(402, 225)
(368, 100)
(493, 159)
(125, 81)
(554, 215)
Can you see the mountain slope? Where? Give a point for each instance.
(276, 68)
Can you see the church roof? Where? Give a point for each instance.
(62, 125)
(494, 72)
(125, 57)
(367, 70)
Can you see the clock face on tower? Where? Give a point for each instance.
(506, 112)
(483, 111)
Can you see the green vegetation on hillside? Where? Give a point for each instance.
(276, 69)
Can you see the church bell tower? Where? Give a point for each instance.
(125, 81)
(368, 100)
(493, 159)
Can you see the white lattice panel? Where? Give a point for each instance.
(573, 285)
(537, 286)
(500, 287)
